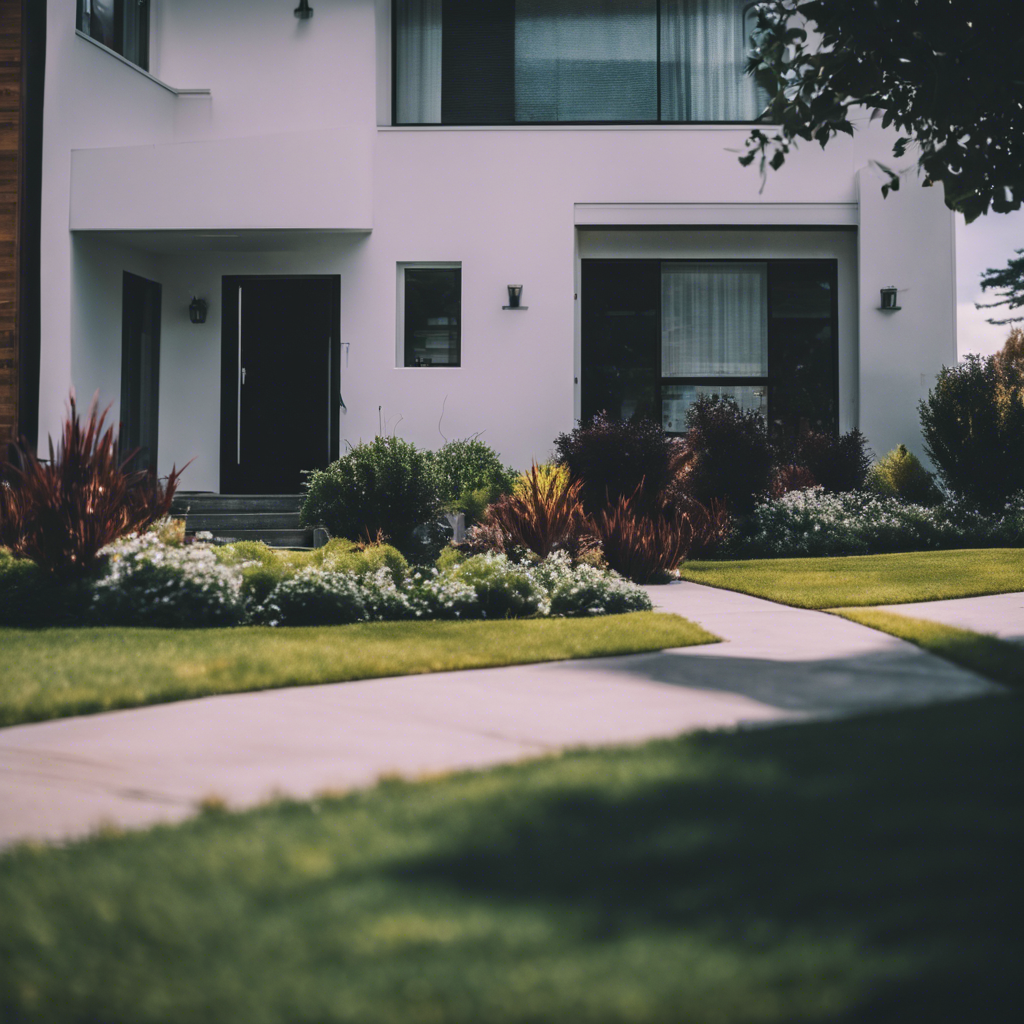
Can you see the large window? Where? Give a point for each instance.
(121, 25)
(430, 324)
(573, 61)
(658, 333)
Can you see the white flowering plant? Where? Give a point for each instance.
(152, 579)
(813, 523)
(145, 581)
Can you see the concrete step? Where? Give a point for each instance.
(272, 538)
(218, 522)
(206, 502)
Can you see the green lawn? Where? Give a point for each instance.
(52, 673)
(868, 579)
(846, 871)
(987, 655)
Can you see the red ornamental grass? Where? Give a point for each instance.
(646, 547)
(548, 516)
(61, 514)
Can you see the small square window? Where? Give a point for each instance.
(430, 307)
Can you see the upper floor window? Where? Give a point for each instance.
(573, 61)
(121, 25)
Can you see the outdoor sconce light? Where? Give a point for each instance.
(197, 310)
(889, 300)
(304, 11)
(515, 296)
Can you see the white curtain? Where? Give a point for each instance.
(714, 320)
(586, 60)
(418, 61)
(704, 47)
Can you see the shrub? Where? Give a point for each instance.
(837, 463)
(314, 597)
(642, 547)
(62, 514)
(731, 457)
(812, 523)
(709, 525)
(146, 582)
(544, 517)
(366, 560)
(449, 558)
(613, 458)
(483, 538)
(387, 486)
(786, 478)
(581, 589)
(30, 596)
(502, 587)
(973, 426)
(901, 475)
(471, 477)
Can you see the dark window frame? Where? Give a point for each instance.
(404, 347)
(548, 124)
(768, 381)
(119, 41)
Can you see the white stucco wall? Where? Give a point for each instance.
(503, 202)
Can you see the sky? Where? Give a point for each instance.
(988, 242)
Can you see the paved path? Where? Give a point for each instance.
(134, 768)
(1000, 615)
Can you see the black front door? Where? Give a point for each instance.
(279, 381)
(140, 370)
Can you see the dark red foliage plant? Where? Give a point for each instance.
(545, 516)
(62, 513)
(790, 478)
(647, 546)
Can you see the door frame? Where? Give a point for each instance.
(230, 370)
(134, 317)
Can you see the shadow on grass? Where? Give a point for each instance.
(898, 835)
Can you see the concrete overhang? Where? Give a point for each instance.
(301, 181)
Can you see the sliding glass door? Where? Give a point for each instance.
(656, 334)
(573, 61)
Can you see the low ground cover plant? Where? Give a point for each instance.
(153, 579)
(812, 522)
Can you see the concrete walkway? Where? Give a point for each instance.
(1000, 615)
(135, 768)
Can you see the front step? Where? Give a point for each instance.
(271, 518)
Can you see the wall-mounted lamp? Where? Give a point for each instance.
(304, 11)
(515, 296)
(889, 300)
(197, 310)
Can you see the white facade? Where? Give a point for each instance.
(287, 165)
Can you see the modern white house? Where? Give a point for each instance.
(269, 231)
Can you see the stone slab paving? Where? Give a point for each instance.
(134, 768)
(1000, 615)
